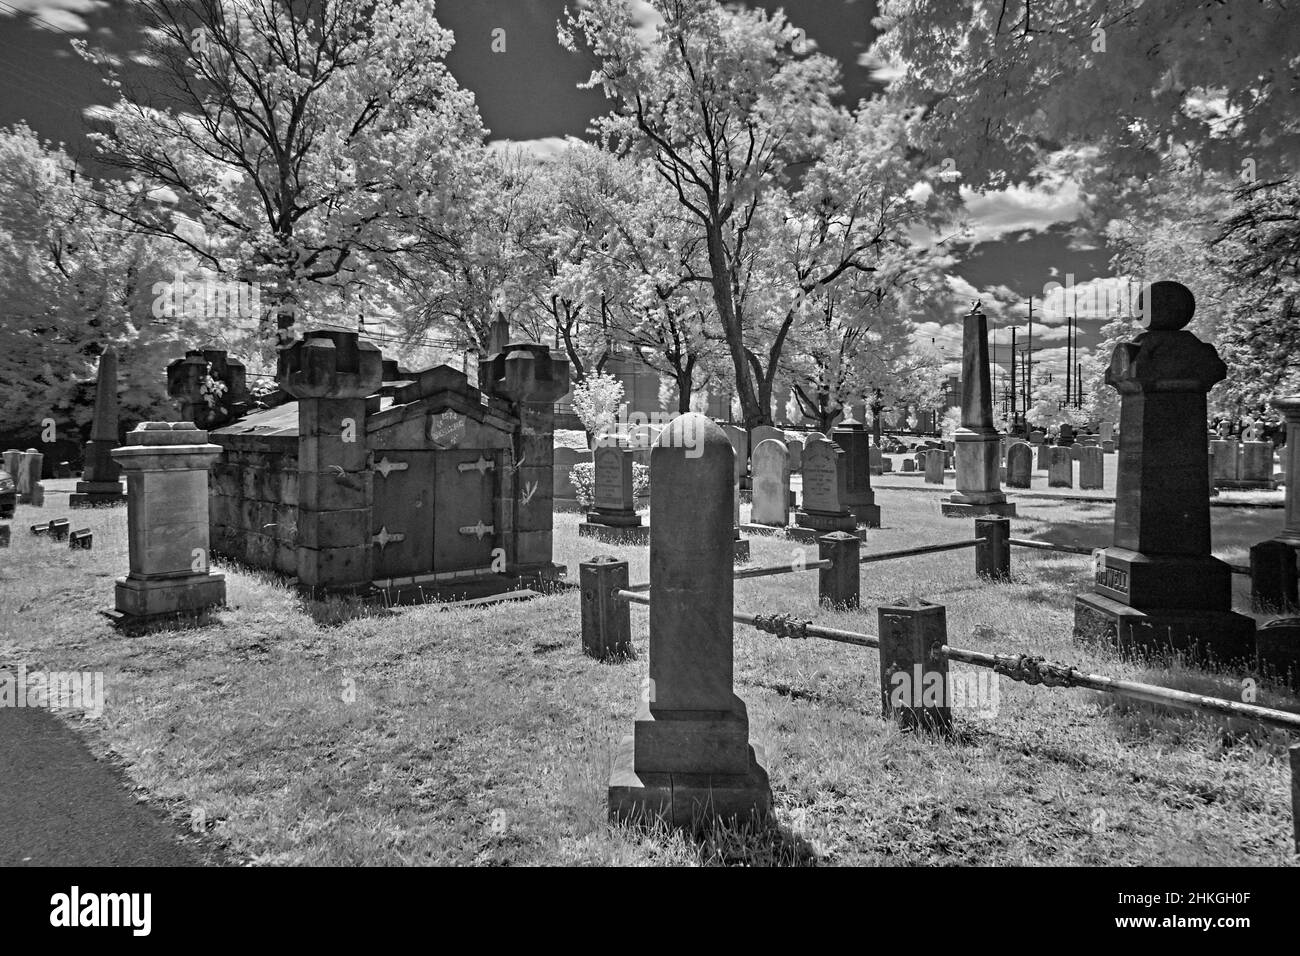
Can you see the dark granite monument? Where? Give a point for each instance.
(1157, 588)
(100, 482)
(854, 438)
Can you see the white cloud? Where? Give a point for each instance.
(1020, 209)
(879, 70)
(55, 14)
(544, 148)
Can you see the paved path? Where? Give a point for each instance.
(59, 806)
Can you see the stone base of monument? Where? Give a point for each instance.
(615, 533)
(478, 585)
(1218, 637)
(968, 506)
(1277, 651)
(684, 799)
(867, 514)
(811, 525)
(90, 494)
(763, 529)
(1241, 484)
(141, 599)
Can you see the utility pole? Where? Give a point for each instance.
(1013, 377)
(1029, 395)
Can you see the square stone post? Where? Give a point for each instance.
(331, 374)
(166, 468)
(978, 453)
(533, 379)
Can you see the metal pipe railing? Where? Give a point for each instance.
(924, 549)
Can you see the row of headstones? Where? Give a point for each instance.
(1244, 463)
(24, 468)
(1058, 461)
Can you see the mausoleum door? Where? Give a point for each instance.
(465, 522)
(403, 513)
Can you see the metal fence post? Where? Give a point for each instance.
(1273, 577)
(993, 554)
(606, 623)
(913, 674)
(838, 585)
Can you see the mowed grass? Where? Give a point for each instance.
(305, 735)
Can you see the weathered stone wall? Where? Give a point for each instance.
(253, 507)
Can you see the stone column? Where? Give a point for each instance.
(1157, 588)
(690, 758)
(166, 469)
(852, 436)
(331, 374)
(100, 482)
(533, 379)
(1289, 406)
(979, 488)
(30, 490)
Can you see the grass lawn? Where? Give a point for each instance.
(300, 734)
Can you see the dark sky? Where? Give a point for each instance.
(528, 92)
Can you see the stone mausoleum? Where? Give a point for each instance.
(358, 477)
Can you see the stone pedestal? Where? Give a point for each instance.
(689, 759)
(167, 522)
(1157, 588)
(978, 446)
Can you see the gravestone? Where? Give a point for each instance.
(762, 433)
(1060, 468)
(1225, 462)
(167, 522)
(1092, 469)
(1066, 436)
(614, 518)
(771, 467)
(877, 461)
(30, 489)
(886, 464)
(739, 439)
(1044, 457)
(8, 494)
(1107, 436)
(853, 437)
(1157, 587)
(100, 482)
(1256, 464)
(1289, 407)
(909, 464)
(689, 759)
(825, 487)
(795, 447)
(12, 457)
(979, 486)
(1036, 437)
(566, 493)
(934, 466)
(1020, 465)
(1076, 451)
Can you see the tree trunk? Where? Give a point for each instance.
(750, 406)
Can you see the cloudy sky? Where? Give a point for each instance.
(1020, 240)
